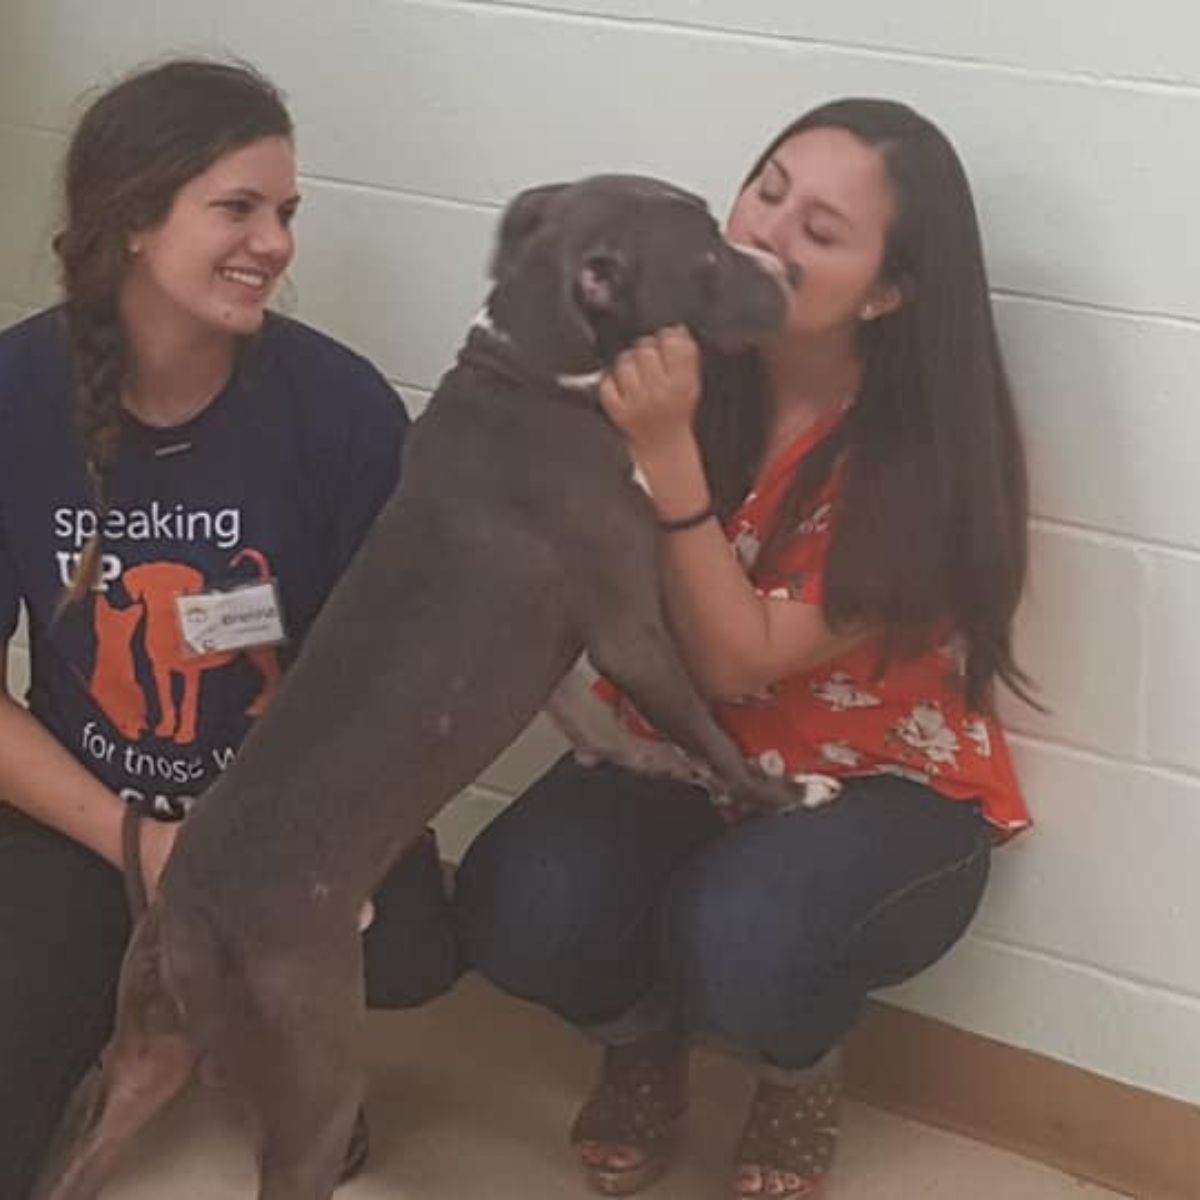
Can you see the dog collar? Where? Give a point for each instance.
(580, 383)
(493, 349)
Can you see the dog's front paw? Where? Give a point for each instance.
(784, 794)
(816, 790)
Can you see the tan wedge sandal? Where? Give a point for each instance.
(790, 1138)
(625, 1133)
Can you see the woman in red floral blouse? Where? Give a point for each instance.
(844, 513)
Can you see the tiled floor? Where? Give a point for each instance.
(471, 1097)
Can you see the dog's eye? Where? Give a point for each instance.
(599, 281)
(604, 268)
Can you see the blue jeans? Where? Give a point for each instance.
(599, 889)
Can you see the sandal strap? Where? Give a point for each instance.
(640, 1095)
(793, 1128)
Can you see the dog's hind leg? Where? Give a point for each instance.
(289, 1045)
(145, 1065)
(304, 1140)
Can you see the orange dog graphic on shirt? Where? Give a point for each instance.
(114, 684)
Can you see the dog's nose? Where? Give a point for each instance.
(786, 274)
(764, 258)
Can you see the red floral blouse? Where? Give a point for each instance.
(838, 719)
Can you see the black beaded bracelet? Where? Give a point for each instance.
(682, 523)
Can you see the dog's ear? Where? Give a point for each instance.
(521, 220)
(600, 280)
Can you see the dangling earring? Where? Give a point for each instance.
(868, 313)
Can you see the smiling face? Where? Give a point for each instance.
(214, 260)
(823, 203)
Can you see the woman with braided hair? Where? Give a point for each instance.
(176, 462)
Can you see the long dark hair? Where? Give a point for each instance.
(931, 521)
(133, 149)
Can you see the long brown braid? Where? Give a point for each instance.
(133, 149)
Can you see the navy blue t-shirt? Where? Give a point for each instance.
(280, 477)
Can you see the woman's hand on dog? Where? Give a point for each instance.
(652, 391)
(651, 395)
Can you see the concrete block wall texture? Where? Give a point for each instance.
(1078, 123)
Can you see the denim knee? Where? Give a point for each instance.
(531, 927)
(776, 935)
(723, 949)
(557, 899)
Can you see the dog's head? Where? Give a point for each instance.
(582, 270)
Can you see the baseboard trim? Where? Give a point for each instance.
(1131, 1140)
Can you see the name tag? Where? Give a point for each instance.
(245, 616)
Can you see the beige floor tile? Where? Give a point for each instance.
(472, 1096)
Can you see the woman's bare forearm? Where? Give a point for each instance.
(41, 779)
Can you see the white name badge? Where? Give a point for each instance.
(244, 616)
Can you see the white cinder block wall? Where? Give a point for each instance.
(1078, 123)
